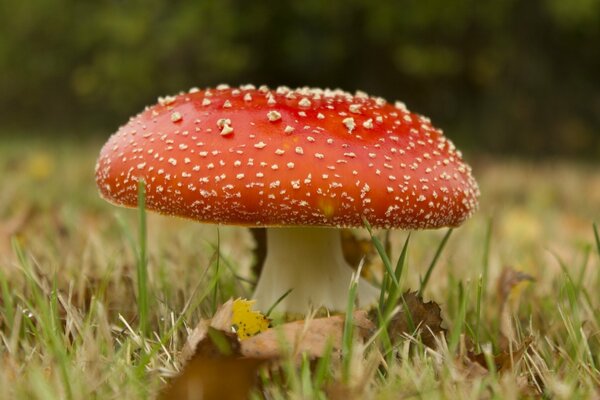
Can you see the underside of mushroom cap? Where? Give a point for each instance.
(283, 157)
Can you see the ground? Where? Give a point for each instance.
(69, 312)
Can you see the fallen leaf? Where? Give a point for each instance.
(507, 282)
(215, 379)
(311, 336)
(506, 360)
(425, 317)
(216, 371)
(503, 361)
(246, 321)
(511, 352)
(222, 320)
(509, 278)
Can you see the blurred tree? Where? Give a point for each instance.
(501, 75)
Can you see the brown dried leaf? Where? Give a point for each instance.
(426, 317)
(306, 336)
(220, 321)
(214, 379)
(506, 360)
(509, 279)
(339, 391)
(216, 371)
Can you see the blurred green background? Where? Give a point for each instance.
(499, 76)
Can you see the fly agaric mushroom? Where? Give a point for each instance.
(301, 162)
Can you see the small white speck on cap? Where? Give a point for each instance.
(205, 102)
(319, 156)
(289, 129)
(226, 130)
(176, 116)
(290, 165)
(227, 104)
(260, 145)
(173, 161)
(222, 86)
(273, 116)
(193, 90)
(247, 97)
(299, 150)
(350, 124)
(279, 152)
(320, 116)
(379, 119)
(304, 102)
(354, 108)
(141, 165)
(167, 100)
(240, 176)
(400, 106)
(221, 122)
(368, 124)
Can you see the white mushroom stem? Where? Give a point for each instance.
(311, 263)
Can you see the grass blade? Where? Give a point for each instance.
(348, 334)
(217, 271)
(395, 292)
(486, 253)
(434, 261)
(279, 300)
(597, 236)
(382, 253)
(460, 319)
(142, 262)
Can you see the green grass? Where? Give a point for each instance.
(96, 301)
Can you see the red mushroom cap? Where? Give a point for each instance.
(285, 157)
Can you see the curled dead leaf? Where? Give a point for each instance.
(507, 282)
(222, 320)
(426, 318)
(310, 336)
(216, 371)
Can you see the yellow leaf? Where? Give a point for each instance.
(247, 322)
